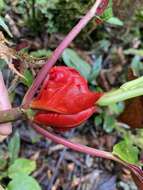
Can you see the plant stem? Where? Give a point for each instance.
(75, 146)
(11, 115)
(128, 90)
(133, 84)
(5, 104)
(58, 51)
(138, 173)
(118, 96)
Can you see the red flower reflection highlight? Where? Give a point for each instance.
(65, 100)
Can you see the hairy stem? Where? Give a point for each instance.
(58, 51)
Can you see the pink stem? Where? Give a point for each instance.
(88, 150)
(5, 104)
(75, 146)
(59, 50)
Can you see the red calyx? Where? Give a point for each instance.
(64, 100)
(63, 122)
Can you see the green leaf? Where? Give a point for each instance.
(117, 108)
(103, 45)
(137, 66)
(14, 147)
(108, 13)
(21, 166)
(72, 59)
(126, 151)
(23, 182)
(2, 4)
(28, 78)
(109, 123)
(41, 53)
(97, 66)
(98, 120)
(138, 52)
(115, 21)
(5, 27)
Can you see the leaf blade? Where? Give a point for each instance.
(23, 182)
(126, 151)
(5, 27)
(14, 147)
(72, 59)
(21, 166)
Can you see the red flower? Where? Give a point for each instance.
(64, 99)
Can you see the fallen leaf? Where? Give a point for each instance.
(8, 54)
(133, 112)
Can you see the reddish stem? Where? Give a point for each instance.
(59, 50)
(75, 146)
(137, 172)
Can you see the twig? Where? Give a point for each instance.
(62, 155)
(56, 169)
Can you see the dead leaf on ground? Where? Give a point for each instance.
(133, 113)
(8, 54)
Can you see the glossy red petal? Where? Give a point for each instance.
(65, 92)
(63, 122)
